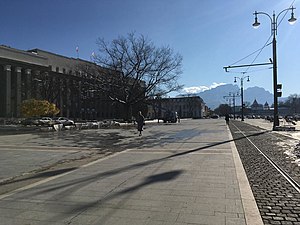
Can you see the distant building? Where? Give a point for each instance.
(256, 107)
(186, 107)
(266, 106)
(266, 110)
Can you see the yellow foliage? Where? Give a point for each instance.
(33, 107)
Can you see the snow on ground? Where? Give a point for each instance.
(292, 146)
(267, 125)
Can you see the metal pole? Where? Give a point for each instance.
(274, 33)
(234, 106)
(276, 120)
(242, 98)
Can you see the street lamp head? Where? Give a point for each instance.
(292, 20)
(235, 80)
(248, 78)
(256, 23)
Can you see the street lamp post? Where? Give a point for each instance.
(242, 91)
(274, 20)
(232, 96)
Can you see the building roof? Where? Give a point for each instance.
(255, 103)
(9, 53)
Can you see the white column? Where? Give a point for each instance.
(18, 92)
(28, 84)
(7, 80)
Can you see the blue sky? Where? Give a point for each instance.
(208, 34)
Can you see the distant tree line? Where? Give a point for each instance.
(293, 103)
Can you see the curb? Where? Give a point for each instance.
(252, 214)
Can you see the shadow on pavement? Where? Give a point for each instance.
(157, 178)
(68, 187)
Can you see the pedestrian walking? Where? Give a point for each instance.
(227, 119)
(140, 122)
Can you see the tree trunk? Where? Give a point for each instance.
(128, 113)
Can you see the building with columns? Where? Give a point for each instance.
(186, 107)
(44, 75)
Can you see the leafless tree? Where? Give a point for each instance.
(293, 102)
(45, 87)
(136, 70)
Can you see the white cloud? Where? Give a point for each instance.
(214, 85)
(197, 89)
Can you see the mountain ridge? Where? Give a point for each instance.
(216, 96)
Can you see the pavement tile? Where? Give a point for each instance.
(141, 188)
(201, 219)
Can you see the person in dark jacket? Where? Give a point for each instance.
(140, 122)
(227, 119)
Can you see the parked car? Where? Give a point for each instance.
(214, 116)
(65, 121)
(46, 121)
(171, 117)
(30, 121)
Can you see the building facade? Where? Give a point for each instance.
(186, 107)
(44, 75)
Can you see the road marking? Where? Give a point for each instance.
(43, 149)
(56, 176)
(152, 151)
(192, 153)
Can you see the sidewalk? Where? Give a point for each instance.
(196, 181)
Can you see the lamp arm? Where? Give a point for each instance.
(263, 13)
(291, 8)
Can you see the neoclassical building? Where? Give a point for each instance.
(44, 75)
(186, 107)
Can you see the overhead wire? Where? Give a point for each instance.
(267, 43)
(260, 49)
(285, 14)
(252, 71)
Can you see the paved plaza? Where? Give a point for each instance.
(192, 175)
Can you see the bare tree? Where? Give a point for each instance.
(223, 109)
(136, 69)
(293, 102)
(45, 87)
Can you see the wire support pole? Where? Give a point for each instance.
(233, 96)
(274, 29)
